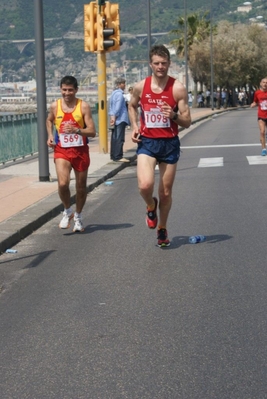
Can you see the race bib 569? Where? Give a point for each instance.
(70, 140)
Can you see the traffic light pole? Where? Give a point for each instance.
(41, 90)
(102, 86)
(102, 102)
(102, 34)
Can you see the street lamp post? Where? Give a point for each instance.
(211, 59)
(148, 35)
(41, 90)
(185, 45)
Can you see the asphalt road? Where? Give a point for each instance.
(108, 315)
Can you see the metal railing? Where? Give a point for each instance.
(19, 135)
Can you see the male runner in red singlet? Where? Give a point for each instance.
(72, 119)
(164, 106)
(260, 100)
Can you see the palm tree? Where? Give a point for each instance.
(198, 29)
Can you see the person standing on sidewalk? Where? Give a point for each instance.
(260, 100)
(73, 122)
(164, 106)
(119, 119)
(128, 96)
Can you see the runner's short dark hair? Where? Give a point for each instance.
(160, 50)
(70, 81)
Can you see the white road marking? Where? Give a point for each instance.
(257, 160)
(219, 146)
(210, 162)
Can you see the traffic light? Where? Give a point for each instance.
(90, 27)
(108, 28)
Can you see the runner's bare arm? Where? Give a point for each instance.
(89, 130)
(133, 108)
(180, 93)
(183, 116)
(50, 125)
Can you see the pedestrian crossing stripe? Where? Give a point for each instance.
(210, 162)
(219, 146)
(257, 160)
(219, 161)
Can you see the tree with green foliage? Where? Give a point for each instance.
(238, 59)
(258, 35)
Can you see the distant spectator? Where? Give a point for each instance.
(200, 100)
(223, 97)
(190, 99)
(230, 99)
(128, 96)
(241, 98)
(207, 98)
(118, 121)
(214, 98)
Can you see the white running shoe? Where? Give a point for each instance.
(78, 225)
(65, 221)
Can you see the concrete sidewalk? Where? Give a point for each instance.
(27, 203)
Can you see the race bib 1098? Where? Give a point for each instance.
(155, 119)
(263, 105)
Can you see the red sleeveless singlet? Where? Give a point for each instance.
(152, 122)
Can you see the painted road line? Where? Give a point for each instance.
(257, 160)
(219, 146)
(210, 162)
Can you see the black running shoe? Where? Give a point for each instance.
(163, 240)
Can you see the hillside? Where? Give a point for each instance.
(66, 16)
(17, 16)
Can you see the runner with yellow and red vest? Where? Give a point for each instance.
(73, 122)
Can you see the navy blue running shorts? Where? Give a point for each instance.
(163, 150)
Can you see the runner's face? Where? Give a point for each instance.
(68, 93)
(159, 66)
(264, 84)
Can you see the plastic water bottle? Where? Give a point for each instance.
(196, 239)
(11, 251)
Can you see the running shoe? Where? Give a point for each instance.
(151, 216)
(163, 240)
(264, 152)
(78, 225)
(65, 221)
